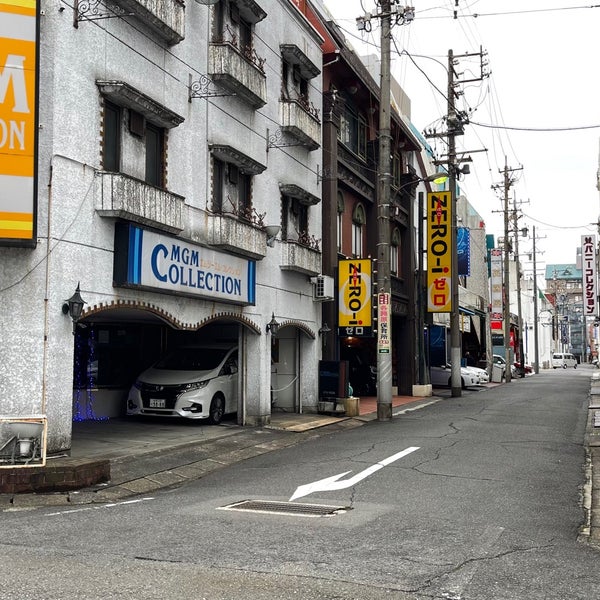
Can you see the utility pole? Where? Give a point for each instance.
(506, 312)
(518, 276)
(536, 365)
(454, 126)
(384, 306)
(402, 15)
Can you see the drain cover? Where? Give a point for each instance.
(286, 508)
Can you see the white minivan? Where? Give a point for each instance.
(564, 360)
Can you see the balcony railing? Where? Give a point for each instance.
(165, 17)
(121, 196)
(301, 121)
(235, 72)
(300, 258)
(237, 236)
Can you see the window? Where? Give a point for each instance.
(144, 141)
(395, 253)
(296, 72)
(294, 85)
(233, 23)
(340, 221)
(358, 224)
(294, 219)
(353, 130)
(232, 190)
(154, 155)
(134, 132)
(112, 137)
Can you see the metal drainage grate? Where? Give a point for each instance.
(286, 508)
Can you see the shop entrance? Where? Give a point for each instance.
(284, 371)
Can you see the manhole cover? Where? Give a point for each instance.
(286, 508)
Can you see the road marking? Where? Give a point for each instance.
(333, 483)
(86, 508)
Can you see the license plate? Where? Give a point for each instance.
(157, 403)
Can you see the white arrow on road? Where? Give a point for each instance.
(333, 483)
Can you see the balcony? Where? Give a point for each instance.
(165, 17)
(301, 122)
(300, 258)
(237, 236)
(124, 197)
(237, 73)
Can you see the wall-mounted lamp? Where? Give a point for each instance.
(74, 307)
(273, 325)
(324, 329)
(271, 231)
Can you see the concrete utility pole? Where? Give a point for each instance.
(455, 342)
(384, 305)
(536, 365)
(506, 314)
(518, 276)
(455, 126)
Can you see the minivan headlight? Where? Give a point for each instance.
(196, 385)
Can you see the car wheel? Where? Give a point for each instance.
(217, 410)
(574, 366)
(564, 366)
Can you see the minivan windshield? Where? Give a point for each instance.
(192, 359)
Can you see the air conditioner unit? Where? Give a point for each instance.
(323, 288)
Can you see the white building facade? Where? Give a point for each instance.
(171, 137)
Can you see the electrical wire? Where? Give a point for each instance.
(534, 129)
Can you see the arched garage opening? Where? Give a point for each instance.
(116, 342)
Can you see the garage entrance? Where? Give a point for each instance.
(113, 346)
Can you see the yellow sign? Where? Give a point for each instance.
(355, 297)
(18, 75)
(439, 252)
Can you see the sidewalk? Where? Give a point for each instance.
(111, 460)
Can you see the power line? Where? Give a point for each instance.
(534, 129)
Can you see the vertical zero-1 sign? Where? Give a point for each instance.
(355, 297)
(18, 110)
(439, 251)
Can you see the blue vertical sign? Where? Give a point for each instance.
(463, 250)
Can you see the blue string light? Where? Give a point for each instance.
(88, 343)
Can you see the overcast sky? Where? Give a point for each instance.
(543, 56)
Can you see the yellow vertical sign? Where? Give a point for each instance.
(18, 91)
(355, 297)
(439, 251)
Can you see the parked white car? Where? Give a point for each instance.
(441, 377)
(481, 374)
(500, 360)
(195, 382)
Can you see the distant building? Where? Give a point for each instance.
(565, 292)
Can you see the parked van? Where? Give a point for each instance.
(564, 360)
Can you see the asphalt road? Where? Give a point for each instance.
(487, 507)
